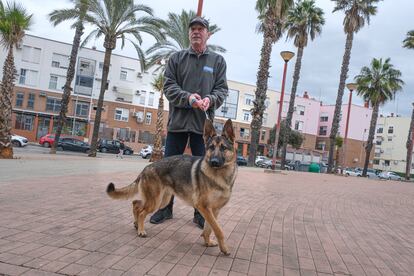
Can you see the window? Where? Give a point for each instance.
(377, 154)
(390, 129)
(299, 125)
(82, 109)
(219, 127)
(31, 54)
(31, 100)
(229, 107)
(324, 117)
(53, 104)
(389, 138)
(151, 99)
(265, 118)
(142, 97)
(100, 65)
(60, 61)
(323, 130)
(148, 118)
(386, 162)
(300, 109)
(121, 114)
(19, 99)
(321, 145)
(244, 133)
(380, 130)
(376, 161)
(378, 142)
(24, 122)
(53, 82)
(123, 75)
(262, 137)
(246, 115)
(28, 77)
(249, 99)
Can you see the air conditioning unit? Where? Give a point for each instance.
(114, 88)
(42, 94)
(138, 93)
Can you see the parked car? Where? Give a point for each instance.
(146, 151)
(390, 176)
(19, 141)
(241, 161)
(260, 159)
(47, 140)
(267, 163)
(352, 172)
(73, 144)
(113, 146)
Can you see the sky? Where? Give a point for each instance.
(322, 58)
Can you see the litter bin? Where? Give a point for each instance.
(315, 168)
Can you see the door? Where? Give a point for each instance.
(42, 127)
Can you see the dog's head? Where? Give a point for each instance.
(219, 149)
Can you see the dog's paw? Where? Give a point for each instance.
(142, 234)
(225, 250)
(211, 243)
(136, 225)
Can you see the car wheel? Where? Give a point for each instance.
(46, 144)
(389, 178)
(127, 152)
(16, 143)
(347, 174)
(104, 150)
(88, 151)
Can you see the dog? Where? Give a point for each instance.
(205, 183)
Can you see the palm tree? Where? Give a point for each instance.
(117, 19)
(409, 40)
(14, 22)
(356, 13)
(272, 14)
(409, 44)
(158, 84)
(78, 13)
(303, 21)
(339, 141)
(175, 28)
(409, 147)
(377, 85)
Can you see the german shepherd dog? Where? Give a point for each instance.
(202, 182)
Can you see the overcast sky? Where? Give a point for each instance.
(322, 58)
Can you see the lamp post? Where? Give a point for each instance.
(200, 7)
(351, 87)
(286, 55)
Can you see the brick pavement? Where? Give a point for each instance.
(275, 224)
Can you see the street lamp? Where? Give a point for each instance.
(200, 7)
(286, 55)
(351, 87)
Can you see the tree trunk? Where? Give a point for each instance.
(289, 116)
(67, 88)
(338, 105)
(157, 151)
(6, 95)
(409, 147)
(261, 84)
(370, 140)
(109, 46)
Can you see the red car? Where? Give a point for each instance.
(48, 140)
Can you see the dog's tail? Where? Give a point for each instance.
(124, 192)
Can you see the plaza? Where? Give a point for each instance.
(56, 219)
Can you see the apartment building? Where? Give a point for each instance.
(390, 143)
(130, 103)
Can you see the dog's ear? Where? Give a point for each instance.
(228, 130)
(209, 130)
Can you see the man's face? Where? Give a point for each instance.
(198, 35)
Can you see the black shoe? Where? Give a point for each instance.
(161, 215)
(199, 220)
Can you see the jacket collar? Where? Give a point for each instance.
(191, 51)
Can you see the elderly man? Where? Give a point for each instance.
(195, 86)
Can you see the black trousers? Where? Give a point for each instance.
(175, 145)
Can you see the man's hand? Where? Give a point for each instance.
(205, 104)
(194, 100)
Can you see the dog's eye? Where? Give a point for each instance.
(222, 148)
(211, 147)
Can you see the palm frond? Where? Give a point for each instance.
(409, 40)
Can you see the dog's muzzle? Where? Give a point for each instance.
(215, 162)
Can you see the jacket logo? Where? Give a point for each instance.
(208, 69)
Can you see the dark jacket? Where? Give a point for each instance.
(187, 73)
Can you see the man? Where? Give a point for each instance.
(195, 85)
